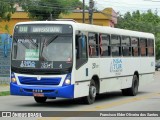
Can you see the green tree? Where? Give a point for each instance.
(44, 9)
(145, 22)
(6, 9)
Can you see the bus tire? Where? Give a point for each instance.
(92, 93)
(40, 99)
(134, 89)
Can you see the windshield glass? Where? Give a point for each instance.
(56, 49)
(45, 49)
(42, 50)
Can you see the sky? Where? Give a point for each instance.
(123, 6)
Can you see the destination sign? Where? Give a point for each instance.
(46, 29)
(23, 29)
(43, 28)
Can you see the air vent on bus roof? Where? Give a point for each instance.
(66, 20)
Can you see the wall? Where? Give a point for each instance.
(16, 17)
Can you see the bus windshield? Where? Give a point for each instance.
(42, 50)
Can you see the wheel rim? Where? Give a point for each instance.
(92, 92)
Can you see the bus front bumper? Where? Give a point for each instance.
(46, 91)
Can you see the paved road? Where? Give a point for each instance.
(148, 99)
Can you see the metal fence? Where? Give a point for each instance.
(5, 50)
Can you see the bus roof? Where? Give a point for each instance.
(95, 28)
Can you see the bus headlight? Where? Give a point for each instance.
(67, 80)
(13, 78)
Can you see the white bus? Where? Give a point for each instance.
(66, 59)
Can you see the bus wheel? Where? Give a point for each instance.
(92, 93)
(40, 99)
(134, 89)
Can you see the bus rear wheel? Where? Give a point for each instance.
(40, 99)
(92, 93)
(134, 89)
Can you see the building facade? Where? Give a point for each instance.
(107, 17)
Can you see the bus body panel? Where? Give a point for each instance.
(114, 73)
(83, 76)
(146, 79)
(23, 90)
(27, 89)
(81, 89)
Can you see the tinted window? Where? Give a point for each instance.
(126, 45)
(93, 44)
(135, 46)
(115, 40)
(115, 45)
(104, 45)
(150, 47)
(81, 49)
(143, 47)
(126, 41)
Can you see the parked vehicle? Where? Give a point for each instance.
(157, 66)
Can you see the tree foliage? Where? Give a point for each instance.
(44, 9)
(145, 22)
(6, 9)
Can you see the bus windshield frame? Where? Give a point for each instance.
(49, 52)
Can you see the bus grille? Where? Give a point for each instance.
(42, 81)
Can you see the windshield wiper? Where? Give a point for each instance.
(51, 40)
(47, 43)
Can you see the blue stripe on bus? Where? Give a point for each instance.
(64, 92)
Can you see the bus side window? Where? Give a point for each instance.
(135, 46)
(93, 44)
(150, 47)
(81, 50)
(77, 47)
(126, 46)
(104, 45)
(143, 46)
(115, 45)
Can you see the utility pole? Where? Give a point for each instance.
(91, 5)
(83, 11)
(51, 17)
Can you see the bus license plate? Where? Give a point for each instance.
(38, 94)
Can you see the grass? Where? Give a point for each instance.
(4, 84)
(4, 93)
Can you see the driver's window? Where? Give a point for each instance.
(81, 49)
